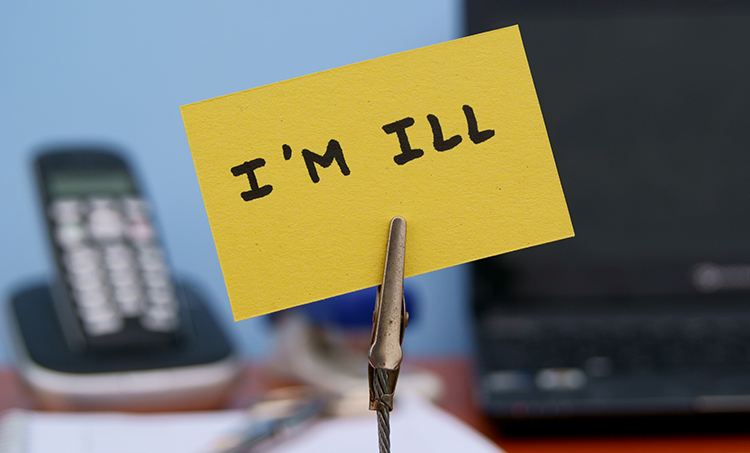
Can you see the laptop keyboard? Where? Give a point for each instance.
(604, 345)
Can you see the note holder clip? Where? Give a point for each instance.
(389, 321)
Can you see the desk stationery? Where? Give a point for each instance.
(458, 376)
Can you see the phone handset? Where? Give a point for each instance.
(115, 290)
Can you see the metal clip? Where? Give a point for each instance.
(389, 319)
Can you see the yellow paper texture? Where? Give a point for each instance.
(305, 241)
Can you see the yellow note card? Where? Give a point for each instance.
(301, 178)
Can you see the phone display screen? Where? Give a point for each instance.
(79, 183)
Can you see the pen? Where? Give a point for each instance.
(269, 422)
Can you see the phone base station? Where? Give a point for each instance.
(196, 373)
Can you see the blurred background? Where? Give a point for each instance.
(117, 73)
(647, 108)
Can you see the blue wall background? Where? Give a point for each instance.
(118, 72)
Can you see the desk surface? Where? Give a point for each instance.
(457, 374)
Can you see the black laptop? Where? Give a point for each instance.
(647, 310)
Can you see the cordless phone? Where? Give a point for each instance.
(114, 289)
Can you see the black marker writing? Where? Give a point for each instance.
(333, 152)
(407, 153)
(438, 141)
(474, 134)
(437, 135)
(248, 168)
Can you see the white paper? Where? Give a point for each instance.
(416, 425)
(124, 433)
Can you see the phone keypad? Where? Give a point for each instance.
(115, 269)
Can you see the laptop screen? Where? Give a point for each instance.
(648, 115)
